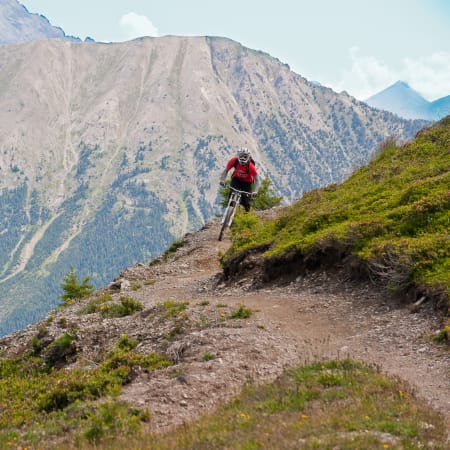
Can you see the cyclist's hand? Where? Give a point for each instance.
(254, 194)
(222, 183)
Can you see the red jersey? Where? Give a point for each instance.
(246, 172)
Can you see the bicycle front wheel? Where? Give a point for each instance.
(227, 220)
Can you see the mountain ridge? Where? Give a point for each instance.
(18, 25)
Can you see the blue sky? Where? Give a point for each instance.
(361, 46)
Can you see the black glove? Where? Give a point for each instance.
(222, 183)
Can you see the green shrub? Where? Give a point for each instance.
(60, 351)
(126, 307)
(177, 329)
(208, 357)
(172, 308)
(266, 197)
(241, 313)
(174, 247)
(112, 418)
(443, 335)
(73, 288)
(124, 358)
(95, 304)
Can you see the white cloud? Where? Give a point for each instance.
(133, 25)
(429, 75)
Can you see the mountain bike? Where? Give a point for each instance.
(233, 202)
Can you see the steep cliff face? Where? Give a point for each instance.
(17, 24)
(108, 152)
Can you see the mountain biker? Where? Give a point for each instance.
(244, 175)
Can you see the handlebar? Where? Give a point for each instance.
(238, 191)
(245, 193)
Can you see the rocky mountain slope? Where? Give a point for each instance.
(401, 99)
(17, 24)
(190, 316)
(109, 152)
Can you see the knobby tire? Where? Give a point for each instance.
(225, 224)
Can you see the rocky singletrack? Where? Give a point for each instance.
(320, 315)
(317, 316)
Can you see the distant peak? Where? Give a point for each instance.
(400, 83)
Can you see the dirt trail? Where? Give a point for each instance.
(315, 317)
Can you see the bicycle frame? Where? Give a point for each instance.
(233, 202)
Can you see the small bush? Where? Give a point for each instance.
(174, 247)
(36, 346)
(128, 359)
(443, 335)
(126, 307)
(60, 351)
(62, 322)
(126, 344)
(266, 197)
(177, 329)
(112, 417)
(94, 305)
(241, 313)
(208, 357)
(172, 308)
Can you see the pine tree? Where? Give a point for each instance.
(73, 289)
(266, 197)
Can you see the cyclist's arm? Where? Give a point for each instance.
(223, 177)
(257, 185)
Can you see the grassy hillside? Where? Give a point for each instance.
(390, 220)
(320, 405)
